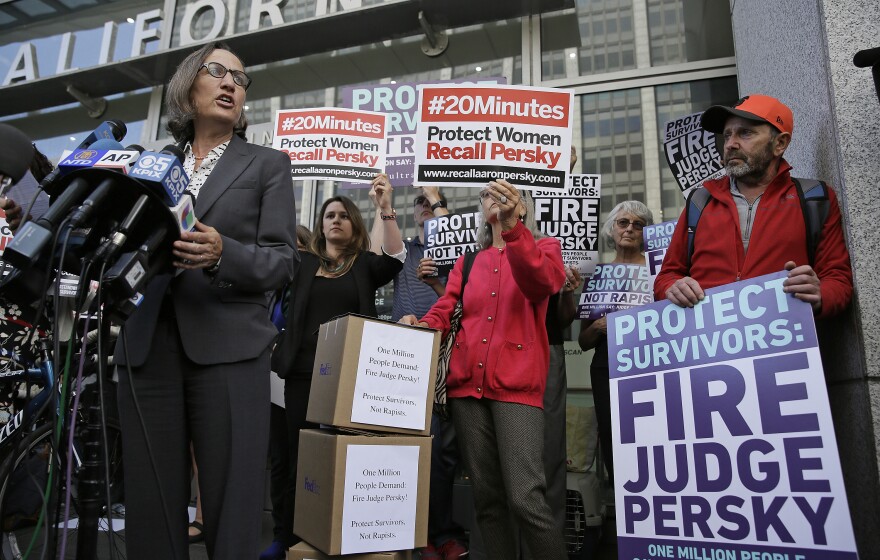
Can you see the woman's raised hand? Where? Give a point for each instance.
(380, 192)
(509, 208)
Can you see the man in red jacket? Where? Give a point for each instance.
(753, 223)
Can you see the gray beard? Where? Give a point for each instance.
(740, 170)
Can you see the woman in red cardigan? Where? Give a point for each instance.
(498, 371)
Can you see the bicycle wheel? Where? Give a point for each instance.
(22, 486)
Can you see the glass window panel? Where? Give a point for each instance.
(618, 153)
(593, 29)
(689, 30)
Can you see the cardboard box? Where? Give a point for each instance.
(303, 551)
(374, 375)
(361, 493)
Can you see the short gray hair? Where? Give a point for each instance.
(484, 235)
(178, 105)
(633, 207)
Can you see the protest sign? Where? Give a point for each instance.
(335, 144)
(449, 237)
(572, 217)
(691, 153)
(614, 287)
(723, 440)
(657, 238)
(400, 103)
(469, 135)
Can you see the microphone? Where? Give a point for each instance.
(113, 129)
(30, 240)
(129, 274)
(16, 154)
(184, 217)
(163, 173)
(107, 130)
(120, 160)
(85, 211)
(87, 157)
(123, 158)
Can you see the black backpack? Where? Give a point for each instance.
(813, 195)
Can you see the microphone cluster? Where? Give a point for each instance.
(113, 208)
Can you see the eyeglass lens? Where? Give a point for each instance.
(218, 71)
(623, 223)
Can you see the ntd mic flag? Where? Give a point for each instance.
(470, 135)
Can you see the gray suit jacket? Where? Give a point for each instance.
(249, 199)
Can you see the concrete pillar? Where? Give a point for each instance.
(801, 51)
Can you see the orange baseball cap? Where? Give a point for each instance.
(762, 108)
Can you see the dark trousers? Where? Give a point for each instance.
(283, 481)
(555, 455)
(279, 465)
(602, 401)
(444, 464)
(502, 449)
(224, 410)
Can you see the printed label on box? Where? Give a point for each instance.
(379, 504)
(392, 376)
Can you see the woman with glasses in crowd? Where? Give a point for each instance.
(338, 275)
(498, 371)
(194, 357)
(623, 231)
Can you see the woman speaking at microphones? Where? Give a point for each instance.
(195, 355)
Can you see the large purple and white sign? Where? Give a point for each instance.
(723, 441)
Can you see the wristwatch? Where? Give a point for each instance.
(438, 204)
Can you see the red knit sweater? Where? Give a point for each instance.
(501, 350)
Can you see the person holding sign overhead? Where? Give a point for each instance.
(622, 230)
(498, 371)
(338, 275)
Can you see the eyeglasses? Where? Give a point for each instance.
(623, 223)
(420, 200)
(218, 71)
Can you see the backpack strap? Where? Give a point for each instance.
(696, 201)
(813, 196)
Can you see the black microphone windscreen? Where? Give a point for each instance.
(119, 129)
(174, 150)
(867, 57)
(135, 147)
(16, 152)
